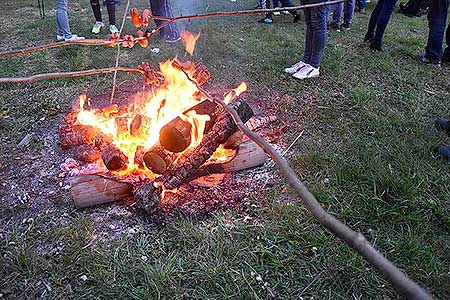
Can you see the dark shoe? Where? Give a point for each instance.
(337, 28)
(266, 21)
(368, 37)
(444, 151)
(346, 26)
(446, 56)
(423, 59)
(375, 46)
(443, 124)
(297, 18)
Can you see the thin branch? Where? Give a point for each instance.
(97, 42)
(118, 53)
(399, 280)
(58, 75)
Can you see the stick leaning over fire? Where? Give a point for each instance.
(97, 42)
(399, 280)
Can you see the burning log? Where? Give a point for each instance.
(148, 196)
(158, 159)
(91, 190)
(138, 124)
(113, 158)
(175, 136)
(76, 135)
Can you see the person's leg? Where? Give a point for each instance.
(437, 19)
(288, 3)
(349, 9)
(374, 19)
(362, 6)
(446, 55)
(95, 4)
(337, 12)
(383, 21)
(111, 7)
(308, 36)
(276, 3)
(162, 8)
(62, 19)
(319, 37)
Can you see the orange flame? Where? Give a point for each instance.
(138, 124)
(189, 41)
(231, 96)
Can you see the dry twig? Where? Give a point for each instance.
(399, 280)
(57, 75)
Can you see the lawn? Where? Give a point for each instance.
(366, 153)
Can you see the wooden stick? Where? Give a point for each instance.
(57, 75)
(399, 280)
(96, 42)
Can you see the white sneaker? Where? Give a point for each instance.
(307, 72)
(295, 68)
(97, 27)
(276, 13)
(59, 38)
(113, 29)
(285, 12)
(74, 38)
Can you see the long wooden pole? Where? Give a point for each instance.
(399, 280)
(58, 75)
(96, 42)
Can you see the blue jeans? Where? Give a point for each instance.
(379, 19)
(162, 8)
(316, 33)
(62, 19)
(348, 8)
(437, 19)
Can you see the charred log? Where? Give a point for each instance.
(76, 135)
(222, 129)
(113, 158)
(158, 159)
(175, 136)
(180, 172)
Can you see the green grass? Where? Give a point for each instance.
(366, 154)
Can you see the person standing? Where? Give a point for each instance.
(285, 3)
(315, 40)
(437, 19)
(378, 22)
(348, 8)
(111, 7)
(62, 23)
(162, 8)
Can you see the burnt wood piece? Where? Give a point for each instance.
(71, 117)
(248, 155)
(234, 140)
(149, 197)
(139, 156)
(139, 124)
(222, 129)
(175, 136)
(113, 158)
(76, 135)
(88, 153)
(122, 125)
(91, 190)
(158, 159)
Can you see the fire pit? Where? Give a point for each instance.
(166, 136)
